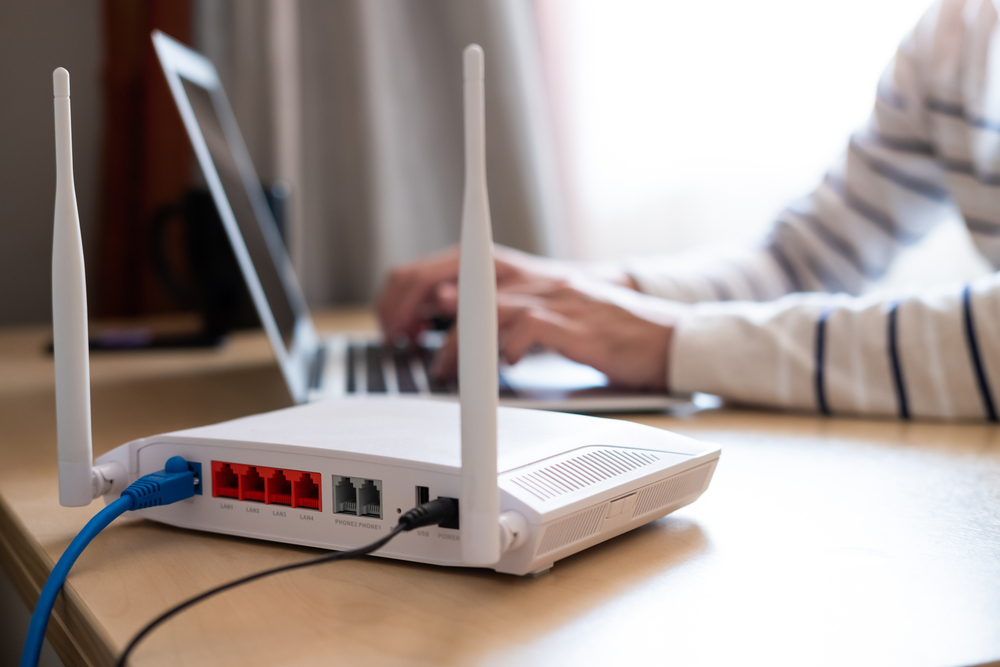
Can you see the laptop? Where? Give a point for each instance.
(316, 367)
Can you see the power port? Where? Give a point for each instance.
(451, 523)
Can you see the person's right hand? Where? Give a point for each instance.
(624, 334)
(423, 289)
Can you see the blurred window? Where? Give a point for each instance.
(693, 123)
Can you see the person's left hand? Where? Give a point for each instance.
(624, 334)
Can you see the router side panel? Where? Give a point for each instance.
(579, 478)
(557, 539)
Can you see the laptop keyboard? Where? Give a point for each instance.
(316, 367)
(404, 374)
(375, 371)
(405, 370)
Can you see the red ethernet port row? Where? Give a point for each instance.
(273, 486)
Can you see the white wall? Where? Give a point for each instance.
(36, 36)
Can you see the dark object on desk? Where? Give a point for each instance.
(143, 338)
(208, 282)
(442, 322)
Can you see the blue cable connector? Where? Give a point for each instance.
(175, 482)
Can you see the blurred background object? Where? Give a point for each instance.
(378, 118)
(688, 124)
(35, 38)
(614, 128)
(146, 161)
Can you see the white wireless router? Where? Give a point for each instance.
(532, 486)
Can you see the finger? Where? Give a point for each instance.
(446, 299)
(445, 364)
(399, 310)
(509, 306)
(509, 264)
(410, 295)
(572, 305)
(446, 302)
(408, 287)
(533, 285)
(528, 327)
(422, 317)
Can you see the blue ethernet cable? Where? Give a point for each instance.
(175, 482)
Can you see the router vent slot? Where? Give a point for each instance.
(572, 529)
(582, 471)
(657, 496)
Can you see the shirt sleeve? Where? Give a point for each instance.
(933, 355)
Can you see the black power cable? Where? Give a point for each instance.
(434, 512)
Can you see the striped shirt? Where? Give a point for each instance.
(782, 325)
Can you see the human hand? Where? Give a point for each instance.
(428, 287)
(623, 334)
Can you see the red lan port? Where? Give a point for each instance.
(271, 486)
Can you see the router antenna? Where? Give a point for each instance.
(479, 502)
(79, 481)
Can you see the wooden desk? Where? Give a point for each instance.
(820, 542)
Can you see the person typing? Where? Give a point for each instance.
(783, 325)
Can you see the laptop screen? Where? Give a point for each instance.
(260, 234)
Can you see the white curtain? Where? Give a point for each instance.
(358, 105)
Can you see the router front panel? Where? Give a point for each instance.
(358, 501)
(330, 499)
